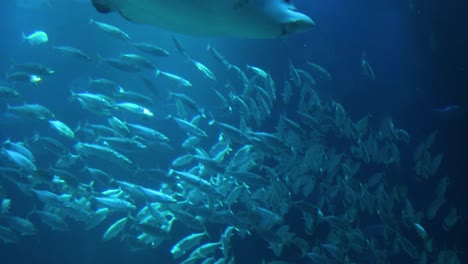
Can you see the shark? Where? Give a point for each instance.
(258, 19)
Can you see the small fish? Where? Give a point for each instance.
(135, 97)
(55, 222)
(22, 225)
(19, 147)
(33, 68)
(151, 86)
(99, 216)
(218, 56)
(115, 229)
(119, 126)
(7, 235)
(206, 72)
(189, 102)
(448, 108)
(147, 132)
(179, 80)
(451, 219)
(151, 49)
(62, 128)
(135, 59)
(257, 71)
(115, 203)
(120, 64)
(449, 112)
(105, 86)
(31, 111)
(320, 71)
(366, 69)
(35, 38)
(96, 103)
(5, 206)
(421, 231)
(122, 143)
(190, 128)
(287, 92)
(8, 93)
(23, 77)
(180, 48)
(135, 109)
(19, 160)
(67, 160)
(222, 101)
(72, 52)
(111, 30)
(156, 196)
(186, 243)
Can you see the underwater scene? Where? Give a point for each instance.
(233, 131)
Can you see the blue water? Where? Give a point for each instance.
(418, 54)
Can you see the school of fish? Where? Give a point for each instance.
(306, 187)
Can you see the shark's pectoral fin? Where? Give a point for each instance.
(126, 18)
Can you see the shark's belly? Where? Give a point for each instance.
(189, 17)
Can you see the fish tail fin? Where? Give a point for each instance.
(6, 141)
(99, 58)
(170, 95)
(84, 169)
(206, 232)
(35, 136)
(33, 210)
(137, 170)
(130, 217)
(188, 59)
(91, 186)
(23, 37)
(72, 97)
(78, 127)
(212, 121)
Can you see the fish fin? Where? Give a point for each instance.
(33, 210)
(100, 59)
(23, 37)
(125, 17)
(101, 6)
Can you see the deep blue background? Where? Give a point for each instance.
(419, 56)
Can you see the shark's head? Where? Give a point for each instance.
(296, 21)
